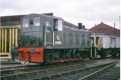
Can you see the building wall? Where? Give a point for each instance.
(111, 42)
(106, 41)
(117, 42)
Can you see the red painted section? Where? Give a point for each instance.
(36, 57)
(24, 55)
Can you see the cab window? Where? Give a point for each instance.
(25, 23)
(36, 21)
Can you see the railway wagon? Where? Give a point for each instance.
(51, 39)
(8, 36)
(106, 41)
(106, 45)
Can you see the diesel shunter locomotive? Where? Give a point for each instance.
(49, 39)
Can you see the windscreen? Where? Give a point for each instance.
(30, 39)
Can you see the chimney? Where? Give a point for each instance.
(83, 26)
(79, 25)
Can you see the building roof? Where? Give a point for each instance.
(105, 29)
(15, 19)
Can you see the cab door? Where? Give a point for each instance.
(58, 33)
(48, 33)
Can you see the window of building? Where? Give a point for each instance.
(36, 21)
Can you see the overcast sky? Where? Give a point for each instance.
(89, 12)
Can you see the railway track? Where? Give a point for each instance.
(50, 73)
(16, 73)
(92, 73)
(111, 72)
(13, 70)
(74, 74)
(24, 68)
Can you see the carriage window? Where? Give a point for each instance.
(48, 26)
(36, 21)
(25, 23)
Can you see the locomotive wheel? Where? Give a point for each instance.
(78, 55)
(56, 55)
(68, 55)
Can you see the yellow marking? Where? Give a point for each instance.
(12, 36)
(10, 26)
(16, 36)
(5, 56)
(2, 39)
(9, 40)
(5, 40)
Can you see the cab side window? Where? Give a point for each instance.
(55, 25)
(58, 25)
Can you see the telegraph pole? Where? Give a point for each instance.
(114, 35)
(119, 22)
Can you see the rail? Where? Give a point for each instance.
(88, 77)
